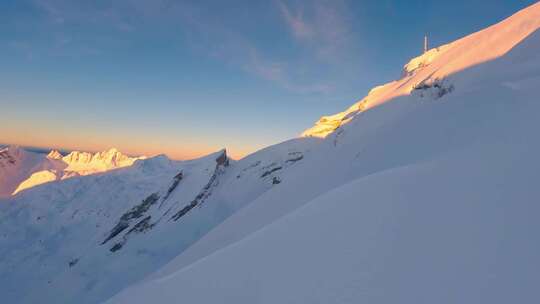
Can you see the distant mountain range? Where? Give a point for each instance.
(21, 169)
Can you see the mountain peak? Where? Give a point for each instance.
(108, 159)
(441, 63)
(112, 151)
(54, 154)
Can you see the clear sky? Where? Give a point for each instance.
(187, 78)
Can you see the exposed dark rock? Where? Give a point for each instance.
(141, 226)
(140, 209)
(276, 180)
(437, 88)
(266, 173)
(133, 213)
(184, 210)
(121, 226)
(73, 262)
(221, 161)
(295, 159)
(176, 181)
(116, 247)
(339, 131)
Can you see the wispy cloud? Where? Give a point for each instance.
(280, 73)
(231, 46)
(52, 9)
(299, 27)
(320, 25)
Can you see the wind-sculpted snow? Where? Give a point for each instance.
(428, 197)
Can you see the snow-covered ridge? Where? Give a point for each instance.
(110, 229)
(440, 63)
(82, 162)
(21, 169)
(416, 201)
(16, 164)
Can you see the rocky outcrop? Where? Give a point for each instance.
(54, 154)
(134, 213)
(222, 161)
(141, 218)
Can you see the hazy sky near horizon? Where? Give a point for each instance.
(187, 78)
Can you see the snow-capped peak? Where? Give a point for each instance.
(54, 154)
(100, 161)
(440, 63)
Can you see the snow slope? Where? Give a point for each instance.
(440, 63)
(16, 164)
(449, 230)
(344, 214)
(99, 233)
(384, 239)
(428, 197)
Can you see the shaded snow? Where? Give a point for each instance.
(416, 200)
(428, 197)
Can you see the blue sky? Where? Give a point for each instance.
(189, 77)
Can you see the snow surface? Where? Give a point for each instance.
(16, 164)
(65, 251)
(422, 192)
(426, 198)
(21, 169)
(440, 63)
(447, 230)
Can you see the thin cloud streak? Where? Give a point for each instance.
(234, 48)
(320, 25)
(278, 73)
(202, 32)
(299, 27)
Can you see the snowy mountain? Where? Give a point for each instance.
(433, 73)
(16, 165)
(102, 232)
(425, 195)
(423, 191)
(21, 169)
